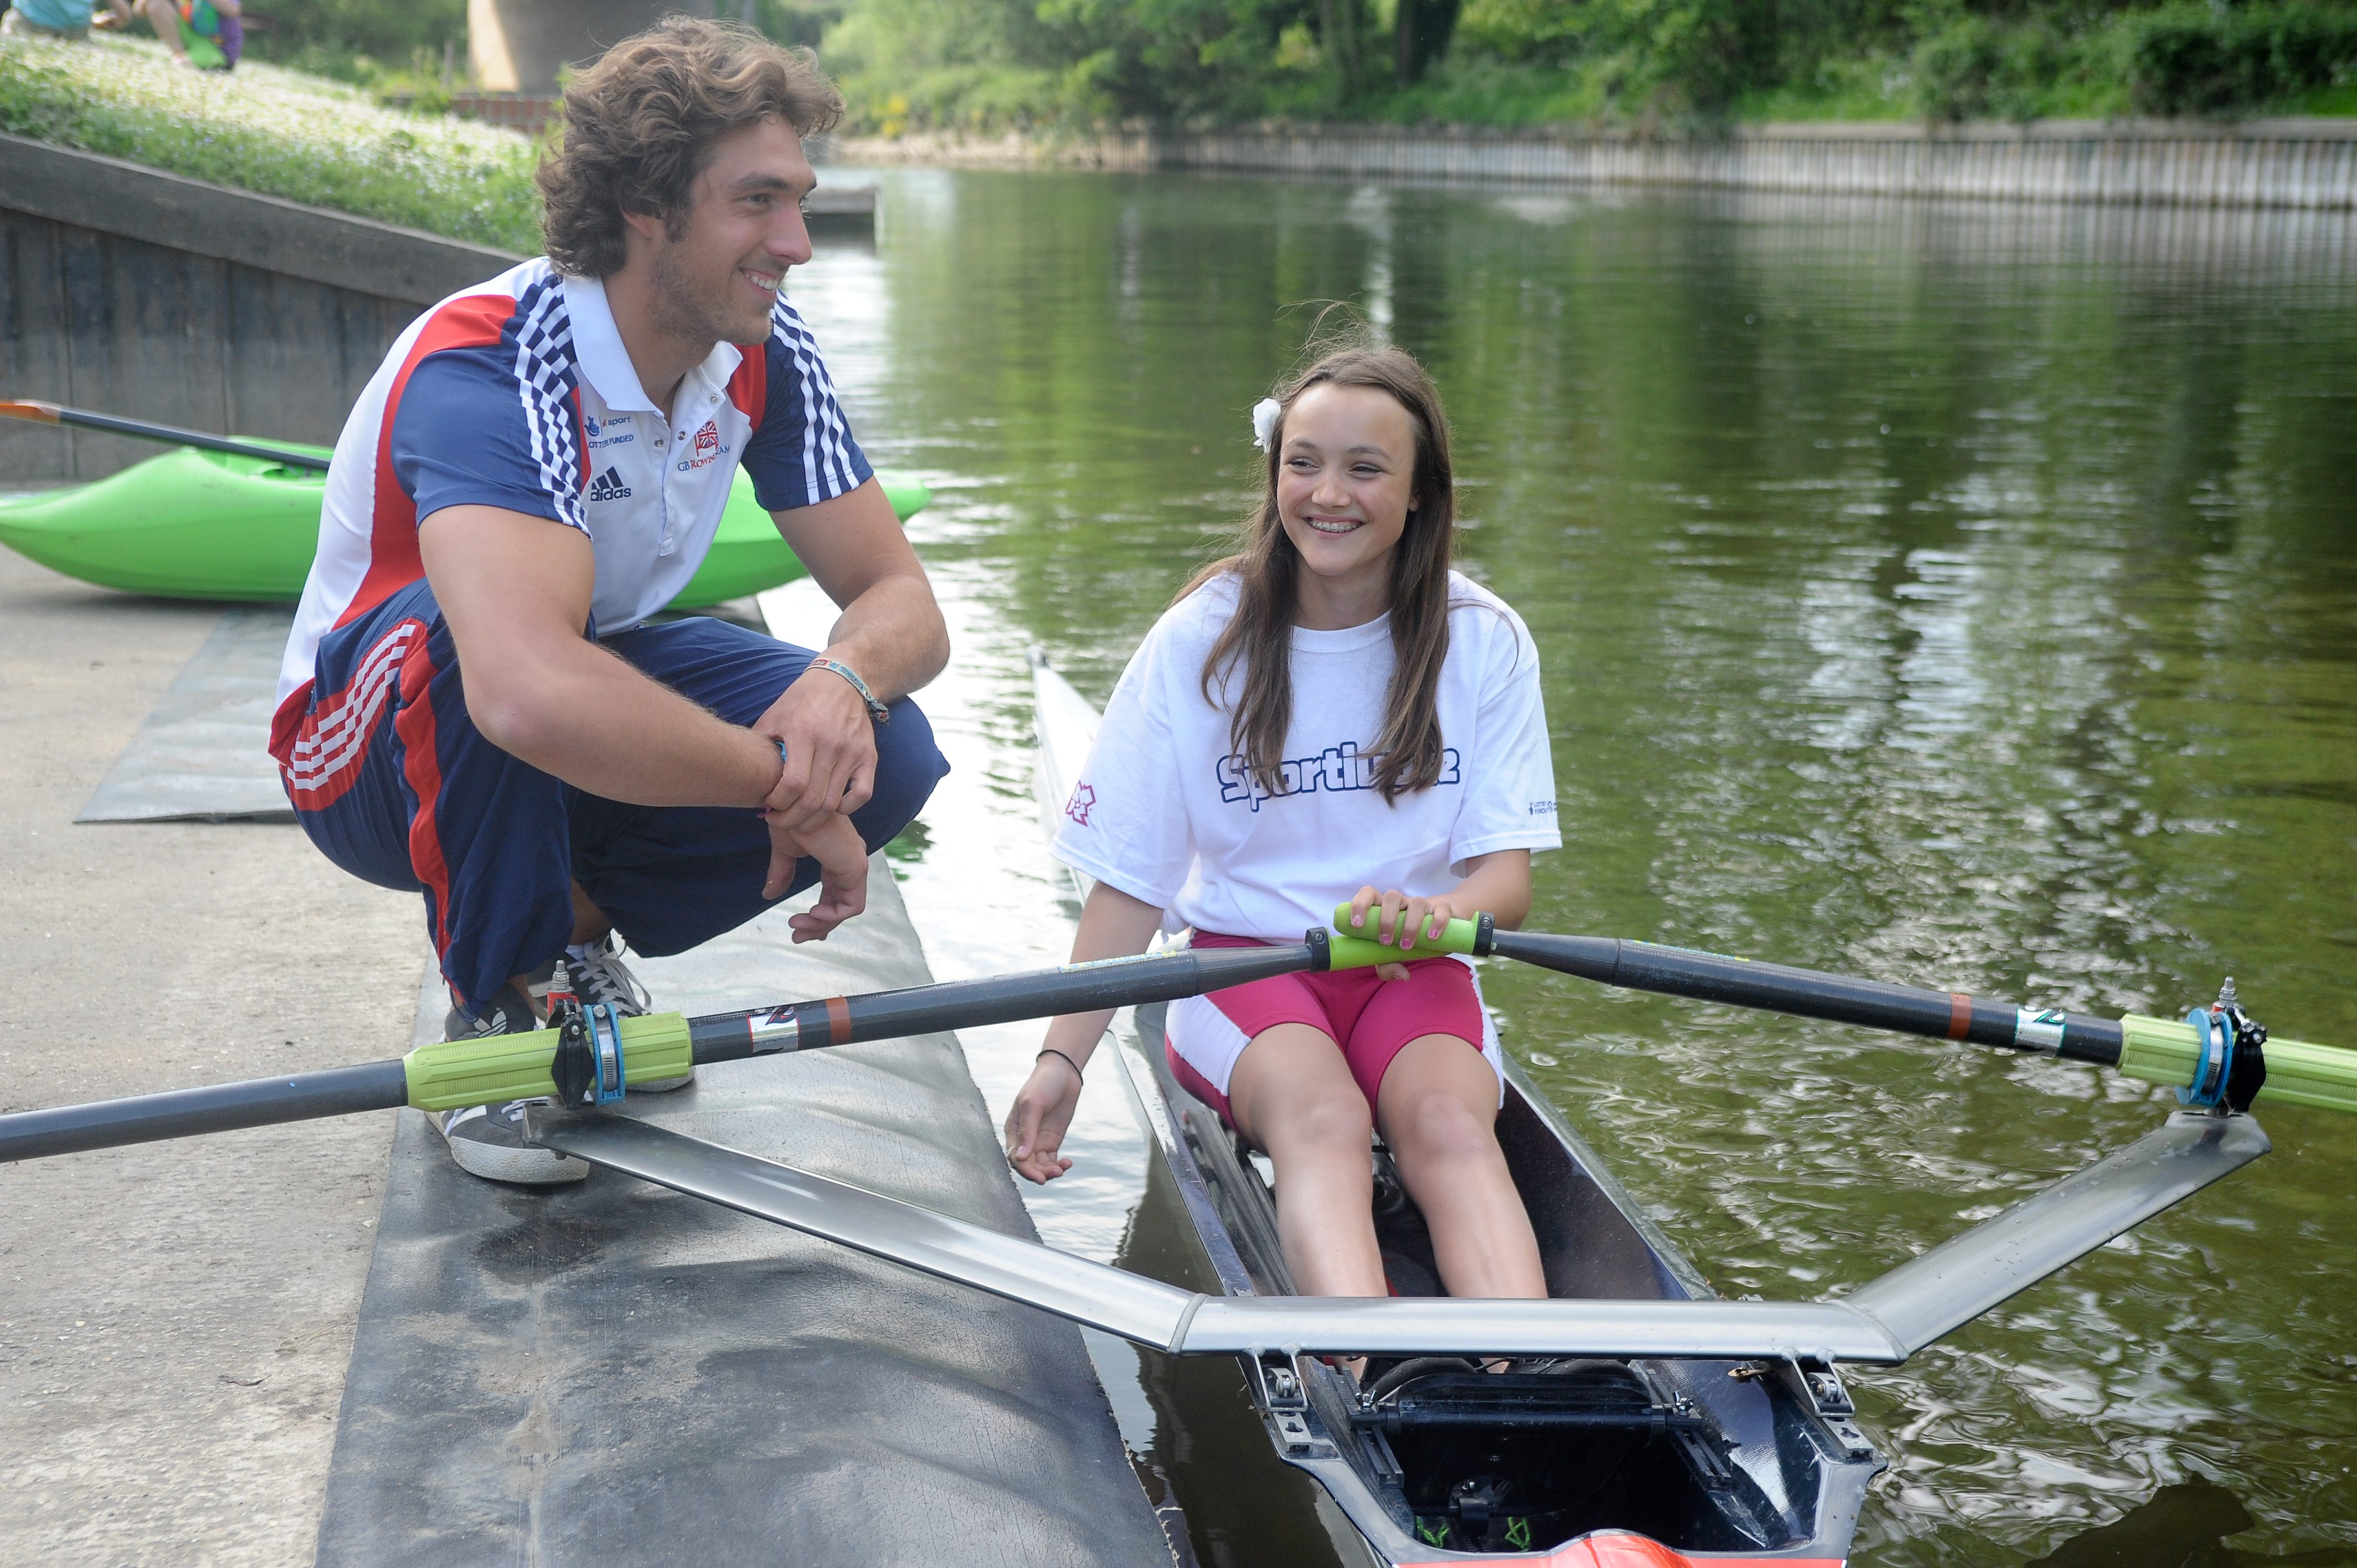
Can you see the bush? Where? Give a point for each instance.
(1973, 68)
(353, 39)
(2186, 60)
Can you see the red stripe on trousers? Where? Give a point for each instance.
(423, 767)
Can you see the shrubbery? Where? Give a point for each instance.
(2179, 59)
(986, 63)
(2192, 59)
(356, 40)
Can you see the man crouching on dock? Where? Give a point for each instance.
(474, 704)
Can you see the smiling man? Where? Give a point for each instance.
(475, 703)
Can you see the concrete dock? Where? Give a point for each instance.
(178, 1322)
(175, 1320)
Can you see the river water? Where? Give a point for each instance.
(1960, 594)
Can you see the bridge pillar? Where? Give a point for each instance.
(518, 46)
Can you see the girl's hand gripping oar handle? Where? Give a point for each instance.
(2155, 1050)
(449, 1074)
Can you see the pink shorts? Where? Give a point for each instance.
(1372, 1019)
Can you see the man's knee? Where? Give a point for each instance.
(908, 765)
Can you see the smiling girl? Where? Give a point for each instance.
(1330, 714)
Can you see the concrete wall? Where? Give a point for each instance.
(518, 46)
(152, 296)
(2267, 163)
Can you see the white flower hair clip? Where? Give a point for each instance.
(1265, 414)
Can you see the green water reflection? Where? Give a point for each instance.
(1961, 595)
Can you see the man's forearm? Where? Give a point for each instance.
(593, 720)
(893, 635)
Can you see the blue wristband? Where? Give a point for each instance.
(875, 710)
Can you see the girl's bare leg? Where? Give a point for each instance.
(1438, 1111)
(1292, 1095)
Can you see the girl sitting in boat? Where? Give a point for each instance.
(1330, 714)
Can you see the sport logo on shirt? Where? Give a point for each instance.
(608, 487)
(1084, 800)
(1335, 770)
(607, 432)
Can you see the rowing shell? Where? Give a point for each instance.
(1603, 1463)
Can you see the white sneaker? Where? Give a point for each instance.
(600, 975)
(488, 1140)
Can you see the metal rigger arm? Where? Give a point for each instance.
(1883, 1322)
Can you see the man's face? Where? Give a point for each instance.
(743, 228)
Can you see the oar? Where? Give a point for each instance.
(56, 414)
(449, 1074)
(2157, 1051)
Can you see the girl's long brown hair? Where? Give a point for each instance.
(1408, 751)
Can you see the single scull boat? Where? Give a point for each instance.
(1698, 1460)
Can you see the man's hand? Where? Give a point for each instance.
(841, 877)
(829, 751)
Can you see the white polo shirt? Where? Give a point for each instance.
(518, 394)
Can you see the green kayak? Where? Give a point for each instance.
(207, 525)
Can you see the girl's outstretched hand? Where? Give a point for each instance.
(1397, 920)
(1037, 1121)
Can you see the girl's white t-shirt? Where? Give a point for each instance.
(1166, 813)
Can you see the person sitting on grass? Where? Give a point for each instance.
(206, 34)
(1331, 709)
(50, 20)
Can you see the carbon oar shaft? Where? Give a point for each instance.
(452, 1073)
(218, 1108)
(1812, 994)
(2158, 1050)
(998, 999)
(89, 419)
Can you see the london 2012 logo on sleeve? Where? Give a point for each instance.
(1084, 800)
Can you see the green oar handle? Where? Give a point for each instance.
(2167, 1051)
(2155, 1050)
(449, 1074)
(1456, 935)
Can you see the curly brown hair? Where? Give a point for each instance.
(641, 123)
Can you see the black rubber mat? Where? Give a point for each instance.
(610, 1374)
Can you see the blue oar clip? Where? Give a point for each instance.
(2233, 1065)
(2213, 1032)
(605, 1025)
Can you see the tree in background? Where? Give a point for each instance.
(992, 64)
(1420, 30)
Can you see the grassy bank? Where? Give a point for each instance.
(274, 131)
